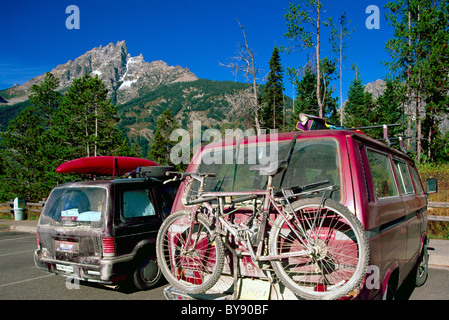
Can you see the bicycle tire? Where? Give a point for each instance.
(197, 270)
(337, 250)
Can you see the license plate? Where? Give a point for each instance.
(64, 268)
(254, 289)
(66, 246)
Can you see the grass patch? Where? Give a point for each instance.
(437, 229)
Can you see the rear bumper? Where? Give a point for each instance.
(244, 289)
(171, 293)
(105, 271)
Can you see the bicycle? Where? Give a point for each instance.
(316, 246)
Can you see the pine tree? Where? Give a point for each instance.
(162, 145)
(55, 129)
(20, 147)
(306, 101)
(24, 148)
(357, 111)
(306, 93)
(84, 125)
(45, 99)
(389, 107)
(305, 23)
(420, 58)
(330, 104)
(272, 113)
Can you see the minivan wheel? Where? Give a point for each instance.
(147, 274)
(422, 268)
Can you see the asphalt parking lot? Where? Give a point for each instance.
(21, 280)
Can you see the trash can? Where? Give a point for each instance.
(19, 209)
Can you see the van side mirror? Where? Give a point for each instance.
(431, 186)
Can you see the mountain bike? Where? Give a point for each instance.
(315, 245)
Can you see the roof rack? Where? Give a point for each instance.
(310, 122)
(386, 138)
(151, 172)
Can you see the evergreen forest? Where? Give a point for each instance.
(52, 127)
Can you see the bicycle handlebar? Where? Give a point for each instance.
(291, 192)
(179, 176)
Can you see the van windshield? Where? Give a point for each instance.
(311, 161)
(75, 206)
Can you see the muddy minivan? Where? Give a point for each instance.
(377, 183)
(104, 230)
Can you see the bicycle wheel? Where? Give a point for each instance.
(198, 268)
(326, 252)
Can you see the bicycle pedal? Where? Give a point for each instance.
(266, 267)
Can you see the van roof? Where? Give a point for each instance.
(317, 134)
(92, 183)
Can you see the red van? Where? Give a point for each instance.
(378, 184)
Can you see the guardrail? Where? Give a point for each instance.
(36, 208)
(438, 205)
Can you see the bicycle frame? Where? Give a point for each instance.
(269, 203)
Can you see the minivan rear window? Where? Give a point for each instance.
(75, 206)
(311, 161)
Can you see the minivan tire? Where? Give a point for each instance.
(147, 274)
(421, 268)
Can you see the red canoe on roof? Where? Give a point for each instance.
(107, 165)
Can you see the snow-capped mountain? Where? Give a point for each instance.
(122, 74)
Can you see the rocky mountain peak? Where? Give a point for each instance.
(376, 88)
(123, 74)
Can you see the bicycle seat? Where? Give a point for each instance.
(271, 168)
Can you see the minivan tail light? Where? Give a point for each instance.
(37, 240)
(108, 246)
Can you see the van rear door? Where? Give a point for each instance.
(71, 224)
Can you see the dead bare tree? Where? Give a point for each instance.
(304, 22)
(245, 63)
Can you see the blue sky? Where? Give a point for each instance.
(197, 34)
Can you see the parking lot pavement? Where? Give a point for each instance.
(439, 253)
(438, 249)
(19, 225)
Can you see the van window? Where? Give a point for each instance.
(405, 183)
(382, 174)
(311, 161)
(75, 206)
(417, 181)
(137, 203)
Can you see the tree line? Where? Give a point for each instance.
(55, 128)
(417, 85)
